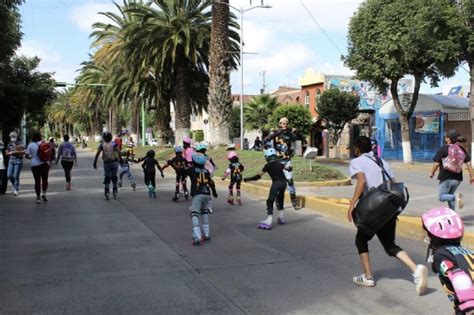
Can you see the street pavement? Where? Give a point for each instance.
(423, 190)
(81, 254)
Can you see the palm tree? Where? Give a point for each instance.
(258, 111)
(222, 51)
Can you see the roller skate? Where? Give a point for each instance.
(186, 195)
(294, 202)
(197, 241)
(119, 184)
(134, 186)
(115, 192)
(230, 200)
(239, 201)
(176, 197)
(106, 193)
(265, 224)
(151, 191)
(281, 219)
(154, 194)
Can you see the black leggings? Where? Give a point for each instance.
(386, 235)
(277, 193)
(67, 166)
(40, 174)
(150, 179)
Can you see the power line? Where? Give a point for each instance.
(320, 27)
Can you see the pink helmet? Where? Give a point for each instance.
(231, 155)
(187, 140)
(443, 223)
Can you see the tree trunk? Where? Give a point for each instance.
(116, 128)
(134, 129)
(219, 96)
(163, 117)
(182, 110)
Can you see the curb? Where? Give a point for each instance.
(336, 208)
(340, 182)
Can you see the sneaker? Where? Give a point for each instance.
(459, 203)
(210, 210)
(363, 281)
(38, 201)
(15, 192)
(119, 184)
(420, 278)
(43, 196)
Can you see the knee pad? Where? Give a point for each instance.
(290, 182)
(204, 211)
(194, 214)
(106, 180)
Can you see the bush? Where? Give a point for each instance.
(198, 135)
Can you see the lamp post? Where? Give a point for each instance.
(241, 12)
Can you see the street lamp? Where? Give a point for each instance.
(241, 12)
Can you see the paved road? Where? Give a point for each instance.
(423, 190)
(81, 254)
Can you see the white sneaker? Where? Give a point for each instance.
(363, 281)
(15, 192)
(459, 202)
(420, 278)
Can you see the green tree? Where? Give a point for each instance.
(389, 39)
(258, 111)
(338, 109)
(299, 117)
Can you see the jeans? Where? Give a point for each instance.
(199, 207)
(110, 173)
(446, 191)
(13, 173)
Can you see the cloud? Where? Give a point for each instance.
(51, 60)
(86, 14)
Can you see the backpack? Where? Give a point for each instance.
(109, 153)
(67, 153)
(456, 156)
(45, 152)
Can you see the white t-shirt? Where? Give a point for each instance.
(373, 173)
(32, 150)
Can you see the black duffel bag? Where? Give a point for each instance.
(379, 204)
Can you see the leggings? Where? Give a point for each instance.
(67, 166)
(150, 179)
(40, 174)
(386, 235)
(276, 195)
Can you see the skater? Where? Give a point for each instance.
(283, 139)
(364, 168)
(210, 166)
(450, 261)
(201, 187)
(178, 163)
(127, 158)
(235, 171)
(111, 158)
(15, 153)
(450, 159)
(3, 169)
(149, 164)
(277, 191)
(68, 156)
(40, 153)
(130, 148)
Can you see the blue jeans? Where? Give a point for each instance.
(13, 173)
(446, 191)
(199, 207)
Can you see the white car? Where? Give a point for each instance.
(153, 142)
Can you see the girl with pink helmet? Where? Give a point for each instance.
(453, 263)
(234, 170)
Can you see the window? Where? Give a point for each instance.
(306, 100)
(318, 97)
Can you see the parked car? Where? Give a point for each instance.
(153, 142)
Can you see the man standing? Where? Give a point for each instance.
(449, 159)
(283, 139)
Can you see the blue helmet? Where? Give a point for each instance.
(201, 147)
(178, 149)
(199, 158)
(270, 152)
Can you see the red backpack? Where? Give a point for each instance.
(45, 152)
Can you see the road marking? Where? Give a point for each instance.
(423, 197)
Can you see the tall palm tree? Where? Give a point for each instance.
(258, 110)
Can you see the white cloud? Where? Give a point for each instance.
(86, 14)
(51, 60)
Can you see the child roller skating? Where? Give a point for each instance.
(201, 187)
(178, 163)
(149, 164)
(235, 171)
(450, 261)
(111, 158)
(277, 191)
(209, 165)
(125, 169)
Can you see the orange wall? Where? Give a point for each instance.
(312, 89)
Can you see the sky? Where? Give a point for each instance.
(281, 42)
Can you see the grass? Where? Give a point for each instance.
(253, 162)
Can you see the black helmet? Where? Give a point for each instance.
(107, 136)
(150, 154)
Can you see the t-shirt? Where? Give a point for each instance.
(444, 174)
(236, 170)
(373, 173)
(67, 151)
(32, 150)
(178, 163)
(149, 165)
(201, 181)
(461, 257)
(282, 142)
(275, 170)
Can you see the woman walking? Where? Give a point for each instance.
(15, 152)
(67, 154)
(40, 153)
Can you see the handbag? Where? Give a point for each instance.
(380, 204)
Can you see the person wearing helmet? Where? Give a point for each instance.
(450, 261)
(234, 170)
(15, 152)
(179, 164)
(276, 194)
(368, 175)
(111, 157)
(210, 166)
(283, 139)
(201, 187)
(127, 158)
(149, 164)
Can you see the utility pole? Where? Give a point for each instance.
(264, 86)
